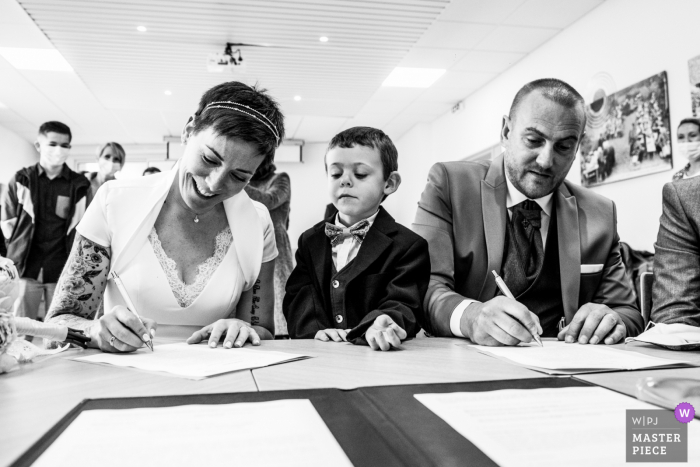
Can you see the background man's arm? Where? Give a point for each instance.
(676, 296)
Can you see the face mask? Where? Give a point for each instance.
(109, 167)
(675, 336)
(689, 150)
(55, 155)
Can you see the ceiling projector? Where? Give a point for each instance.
(231, 60)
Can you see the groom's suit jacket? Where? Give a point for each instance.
(462, 213)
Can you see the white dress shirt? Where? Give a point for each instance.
(347, 249)
(513, 197)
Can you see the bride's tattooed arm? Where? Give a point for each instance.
(82, 284)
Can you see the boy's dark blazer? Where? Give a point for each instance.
(389, 275)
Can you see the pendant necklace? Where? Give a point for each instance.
(196, 218)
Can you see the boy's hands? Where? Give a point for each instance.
(384, 333)
(335, 335)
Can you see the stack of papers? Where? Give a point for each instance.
(560, 358)
(582, 426)
(260, 434)
(193, 361)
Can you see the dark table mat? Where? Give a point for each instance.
(437, 442)
(344, 412)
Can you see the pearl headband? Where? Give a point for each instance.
(260, 116)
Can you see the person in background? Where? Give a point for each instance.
(688, 135)
(554, 243)
(273, 190)
(360, 275)
(111, 159)
(42, 206)
(151, 171)
(676, 291)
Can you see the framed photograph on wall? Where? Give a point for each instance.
(694, 75)
(627, 133)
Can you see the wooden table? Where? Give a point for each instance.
(626, 381)
(35, 397)
(345, 366)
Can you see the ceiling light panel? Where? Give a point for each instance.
(35, 59)
(404, 77)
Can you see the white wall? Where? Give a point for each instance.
(15, 153)
(628, 39)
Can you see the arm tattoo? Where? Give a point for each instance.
(80, 289)
(254, 318)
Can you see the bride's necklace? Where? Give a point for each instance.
(196, 216)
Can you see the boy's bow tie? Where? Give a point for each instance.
(337, 234)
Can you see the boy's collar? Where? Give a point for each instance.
(369, 219)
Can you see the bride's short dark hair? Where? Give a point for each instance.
(236, 110)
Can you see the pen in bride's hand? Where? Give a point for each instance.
(130, 306)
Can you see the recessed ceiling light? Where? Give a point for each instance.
(35, 59)
(141, 28)
(168, 92)
(323, 39)
(297, 98)
(402, 77)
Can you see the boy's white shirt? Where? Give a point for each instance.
(346, 251)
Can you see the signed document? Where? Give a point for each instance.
(193, 361)
(560, 358)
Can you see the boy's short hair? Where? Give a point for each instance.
(55, 127)
(371, 138)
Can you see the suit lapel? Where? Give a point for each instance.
(493, 210)
(320, 247)
(376, 241)
(569, 250)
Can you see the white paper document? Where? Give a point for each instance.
(193, 361)
(571, 427)
(560, 358)
(260, 434)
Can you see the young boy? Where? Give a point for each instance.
(360, 276)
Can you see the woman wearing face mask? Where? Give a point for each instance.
(688, 135)
(110, 161)
(190, 246)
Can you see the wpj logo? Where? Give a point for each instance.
(658, 435)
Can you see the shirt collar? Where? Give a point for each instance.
(370, 219)
(514, 197)
(63, 173)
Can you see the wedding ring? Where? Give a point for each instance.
(111, 341)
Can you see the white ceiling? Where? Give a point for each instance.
(117, 90)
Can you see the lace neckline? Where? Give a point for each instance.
(186, 294)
